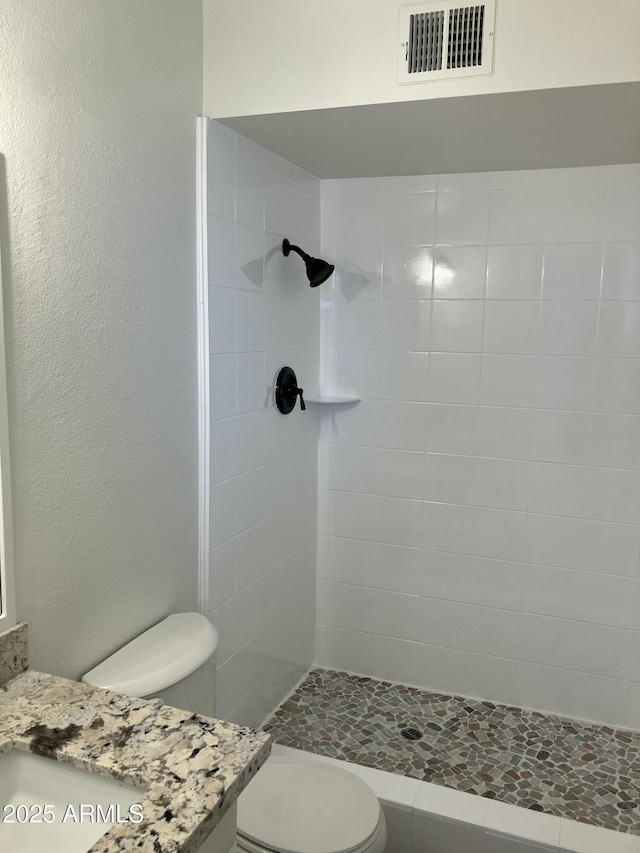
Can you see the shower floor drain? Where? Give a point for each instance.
(411, 734)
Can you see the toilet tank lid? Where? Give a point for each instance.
(162, 656)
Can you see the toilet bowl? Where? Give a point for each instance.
(294, 804)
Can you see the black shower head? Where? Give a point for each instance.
(318, 271)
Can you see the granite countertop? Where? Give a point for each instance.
(192, 768)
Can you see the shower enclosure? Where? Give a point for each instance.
(469, 525)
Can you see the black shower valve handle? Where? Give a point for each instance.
(293, 390)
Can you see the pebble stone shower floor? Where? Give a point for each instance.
(539, 761)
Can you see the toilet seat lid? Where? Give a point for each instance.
(300, 805)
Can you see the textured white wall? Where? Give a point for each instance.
(286, 55)
(263, 466)
(480, 507)
(98, 103)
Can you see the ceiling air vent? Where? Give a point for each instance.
(444, 40)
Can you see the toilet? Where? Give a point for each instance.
(295, 803)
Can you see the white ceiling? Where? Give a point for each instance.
(578, 126)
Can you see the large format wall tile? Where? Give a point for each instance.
(484, 497)
(263, 467)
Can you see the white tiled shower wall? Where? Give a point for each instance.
(263, 471)
(479, 509)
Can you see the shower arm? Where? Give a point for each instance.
(288, 247)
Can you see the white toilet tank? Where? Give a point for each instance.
(174, 661)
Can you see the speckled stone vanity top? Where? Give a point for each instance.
(191, 768)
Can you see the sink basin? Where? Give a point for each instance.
(29, 780)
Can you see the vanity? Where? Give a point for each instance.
(86, 770)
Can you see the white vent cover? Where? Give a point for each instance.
(443, 40)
